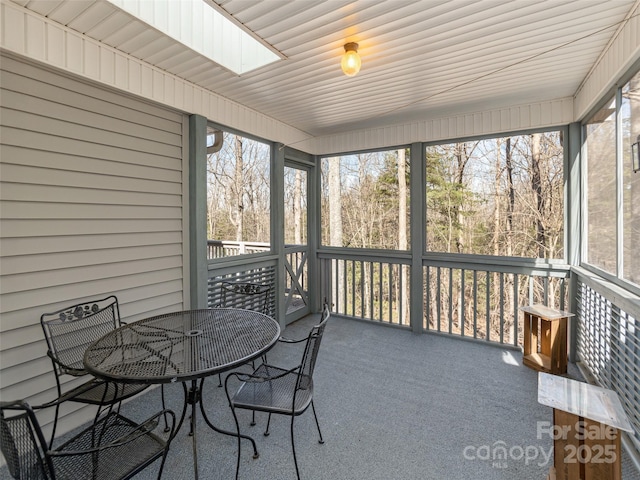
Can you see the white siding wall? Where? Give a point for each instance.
(92, 201)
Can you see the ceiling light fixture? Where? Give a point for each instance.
(351, 60)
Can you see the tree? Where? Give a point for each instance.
(297, 208)
(449, 199)
(238, 188)
(403, 244)
(540, 201)
(335, 221)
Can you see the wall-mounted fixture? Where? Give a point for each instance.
(635, 155)
(351, 60)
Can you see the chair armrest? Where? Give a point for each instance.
(72, 371)
(290, 340)
(13, 404)
(253, 378)
(142, 429)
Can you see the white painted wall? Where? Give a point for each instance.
(92, 203)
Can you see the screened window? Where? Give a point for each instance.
(630, 118)
(500, 196)
(295, 206)
(238, 196)
(600, 153)
(365, 200)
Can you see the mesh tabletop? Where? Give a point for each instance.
(181, 346)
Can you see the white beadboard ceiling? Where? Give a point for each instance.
(421, 59)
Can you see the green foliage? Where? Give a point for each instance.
(449, 202)
(370, 201)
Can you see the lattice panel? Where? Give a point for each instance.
(609, 346)
(261, 275)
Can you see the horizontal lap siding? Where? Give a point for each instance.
(91, 204)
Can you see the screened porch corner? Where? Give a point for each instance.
(392, 405)
(426, 201)
(480, 299)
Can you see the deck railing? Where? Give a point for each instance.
(462, 295)
(370, 286)
(480, 297)
(296, 268)
(608, 340)
(226, 248)
(295, 279)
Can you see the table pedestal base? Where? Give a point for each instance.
(193, 397)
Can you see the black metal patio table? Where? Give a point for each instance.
(181, 347)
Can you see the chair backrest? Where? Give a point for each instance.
(311, 349)
(22, 442)
(250, 296)
(70, 331)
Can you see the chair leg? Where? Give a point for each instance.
(313, 409)
(55, 424)
(107, 409)
(219, 380)
(235, 419)
(97, 441)
(266, 432)
(164, 458)
(293, 448)
(166, 422)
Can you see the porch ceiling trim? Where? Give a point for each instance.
(39, 38)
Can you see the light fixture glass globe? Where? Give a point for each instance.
(351, 62)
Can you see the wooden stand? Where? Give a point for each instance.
(586, 423)
(574, 455)
(545, 348)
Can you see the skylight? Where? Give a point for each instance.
(201, 27)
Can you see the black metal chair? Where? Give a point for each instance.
(247, 295)
(114, 447)
(250, 296)
(68, 333)
(278, 390)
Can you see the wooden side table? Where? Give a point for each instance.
(585, 432)
(545, 348)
